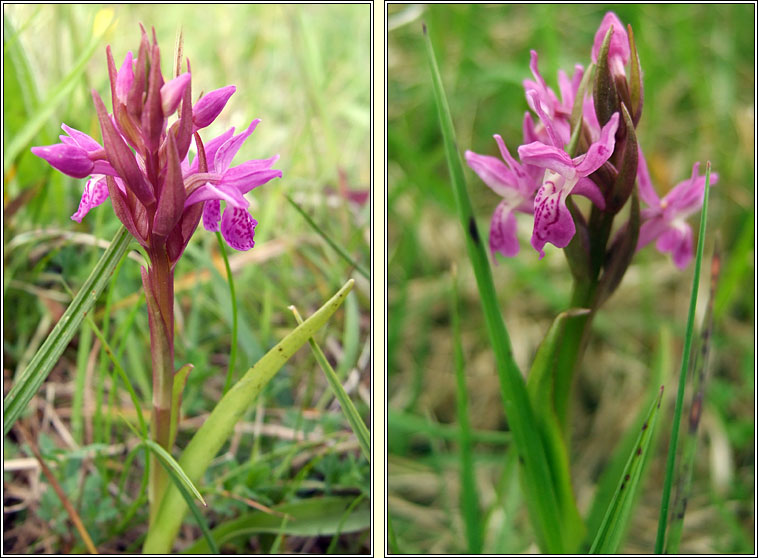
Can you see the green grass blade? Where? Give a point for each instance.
(173, 467)
(470, 508)
(689, 334)
(689, 444)
(187, 490)
(27, 384)
(41, 115)
(541, 498)
(606, 485)
(314, 517)
(120, 370)
(612, 529)
(400, 422)
(217, 428)
(351, 413)
(322, 233)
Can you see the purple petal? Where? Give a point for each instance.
(69, 159)
(677, 240)
(210, 106)
(650, 230)
(647, 192)
(211, 148)
(172, 91)
(209, 191)
(493, 173)
(552, 220)
(212, 215)
(238, 228)
(619, 47)
(537, 104)
(530, 133)
(82, 140)
(587, 188)
(124, 79)
(503, 237)
(548, 157)
(244, 180)
(599, 151)
(687, 196)
(95, 193)
(226, 152)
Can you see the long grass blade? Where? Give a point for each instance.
(608, 537)
(27, 384)
(688, 336)
(351, 413)
(689, 444)
(328, 239)
(541, 497)
(470, 508)
(217, 428)
(606, 485)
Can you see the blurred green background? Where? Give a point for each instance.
(305, 71)
(699, 80)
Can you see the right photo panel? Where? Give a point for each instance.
(570, 279)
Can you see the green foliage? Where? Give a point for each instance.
(483, 54)
(264, 51)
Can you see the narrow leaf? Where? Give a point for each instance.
(470, 507)
(351, 413)
(688, 336)
(687, 461)
(612, 528)
(27, 384)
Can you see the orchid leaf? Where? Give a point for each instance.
(217, 428)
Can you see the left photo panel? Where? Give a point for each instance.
(187, 343)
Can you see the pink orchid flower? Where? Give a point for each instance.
(564, 176)
(665, 218)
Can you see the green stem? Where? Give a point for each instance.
(230, 278)
(571, 350)
(159, 291)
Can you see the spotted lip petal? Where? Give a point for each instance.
(238, 228)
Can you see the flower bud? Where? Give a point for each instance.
(210, 106)
(69, 159)
(172, 92)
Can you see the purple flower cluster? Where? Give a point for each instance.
(144, 167)
(547, 173)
